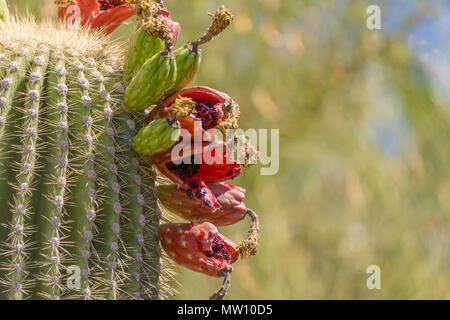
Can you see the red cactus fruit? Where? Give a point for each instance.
(197, 168)
(212, 108)
(107, 14)
(198, 247)
(230, 198)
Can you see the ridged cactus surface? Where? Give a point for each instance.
(73, 195)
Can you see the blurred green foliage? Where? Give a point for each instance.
(364, 173)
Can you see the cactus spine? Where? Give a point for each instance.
(74, 196)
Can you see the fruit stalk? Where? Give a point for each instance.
(189, 56)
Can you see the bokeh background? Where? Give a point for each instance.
(364, 119)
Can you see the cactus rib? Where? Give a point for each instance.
(51, 218)
(21, 212)
(84, 210)
(110, 227)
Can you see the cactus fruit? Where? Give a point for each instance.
(158, 74)
(213, 109)
(143, 45)
(185, 64)
(230, 198)
(198, 247)
(209, 163)
(197, 110)
(189, 56)
(151, 83)
(74, 193)
(232, 210)
(157, 136)
(161, 134)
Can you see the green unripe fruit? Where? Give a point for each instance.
(142, 47)
(153, 81)
(157, 136)
(188, 60)
(75, 198)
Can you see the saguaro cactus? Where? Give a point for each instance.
(79, 217)
(73, 194)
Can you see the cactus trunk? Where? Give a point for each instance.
(75, 198)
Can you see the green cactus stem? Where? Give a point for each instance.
(77, 199)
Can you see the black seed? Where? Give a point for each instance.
(184, 170)
(208, 113)
(219, 251)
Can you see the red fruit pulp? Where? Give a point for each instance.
(108, 4)
(218, 250)
(183, 170)
(193, 177)
(210, 109)
(208, 113)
